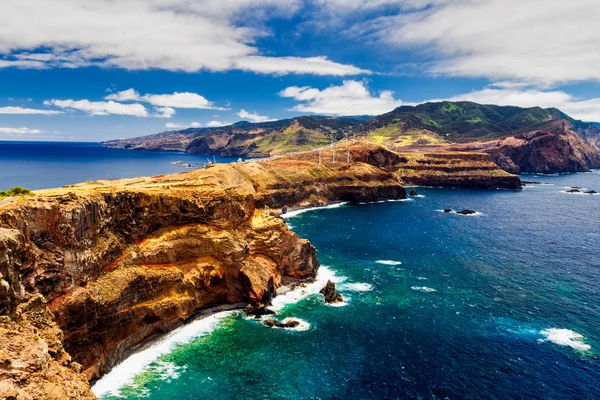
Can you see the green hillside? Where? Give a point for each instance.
(457, 121)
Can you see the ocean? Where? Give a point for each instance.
(501, 305)
(504, 304)
(43, 165)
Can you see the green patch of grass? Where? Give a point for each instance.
(474, 120)
(14, 192)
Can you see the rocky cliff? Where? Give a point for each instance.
(90, 271)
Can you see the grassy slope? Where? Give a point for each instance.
(456, 122)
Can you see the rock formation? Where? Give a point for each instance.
(118, 262)
(273, 323)
(331, 295)
(467, 212)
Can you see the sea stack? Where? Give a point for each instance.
(331, 295)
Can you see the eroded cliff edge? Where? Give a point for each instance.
(92, 270)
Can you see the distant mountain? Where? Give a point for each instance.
(248, 139)
(519, 139)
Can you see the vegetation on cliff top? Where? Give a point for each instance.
(15, 191)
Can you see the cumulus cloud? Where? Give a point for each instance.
(175, 35)
(544, 43)
(174, 100)
(215, 124)
(354, 98)
(27, 111)
(173, 125)
(20, 131)
(351, 98)
(163, 112)
(253, 117)
(100, 107)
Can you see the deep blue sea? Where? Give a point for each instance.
(501, 305)
(42, 165)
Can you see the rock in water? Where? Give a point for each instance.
(447, 210)
(259, 311)
(574, 191)
(467, 212)
(273, 323)
(331, 295)
(413, 192)
(591, 192)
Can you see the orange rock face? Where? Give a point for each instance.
(121, 261)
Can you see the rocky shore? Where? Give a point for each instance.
(92, 270)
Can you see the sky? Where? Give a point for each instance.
(93, 70)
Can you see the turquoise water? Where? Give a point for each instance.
(503, 305)
(43, 165)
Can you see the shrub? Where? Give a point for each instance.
(15, 191)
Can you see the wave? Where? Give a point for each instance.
(421, 278)
(565, 337)
(423, 289)
(386, 201)
(293, 296)
(147, 359)
(356, 287)
(388, 262)
(295, 213)
(582, 192)
(303, 325)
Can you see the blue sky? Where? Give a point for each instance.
(84, 70)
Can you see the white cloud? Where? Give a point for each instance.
(20, 131)
(100, 107)
(541, 42)
(163, 112)
(351, 98)
(124, 95)
(215, 124)
(174, 100)
(28, 111)
(173, 125)
(253, 117)
(176, 35)
(354, 98)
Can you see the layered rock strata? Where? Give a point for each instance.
(118, 262)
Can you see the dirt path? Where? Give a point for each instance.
(6, 201)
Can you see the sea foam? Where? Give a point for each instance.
(388, 262)
(295, 213)
(147, 359)
(423, 289)
(565, 337)
(293, 296)
(356, 287)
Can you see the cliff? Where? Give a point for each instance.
(90, 271)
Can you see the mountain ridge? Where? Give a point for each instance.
(568, 145)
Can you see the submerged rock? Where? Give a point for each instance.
(273, 323)
(331, 295)
(467, 212)
(258, 311)
(413, 192)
